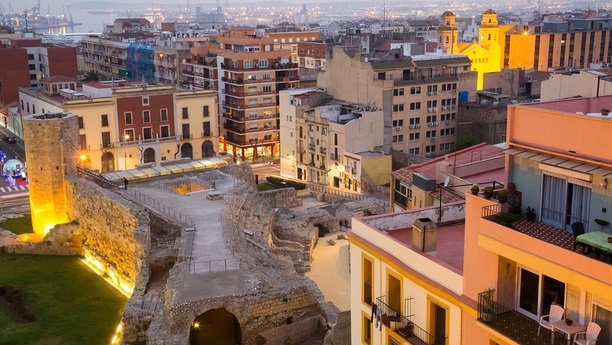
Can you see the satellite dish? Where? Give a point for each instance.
(446, 181)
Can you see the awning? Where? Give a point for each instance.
(559, 162)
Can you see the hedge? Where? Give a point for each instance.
(282, 183)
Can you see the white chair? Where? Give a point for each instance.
(590, 336)
(555, 314)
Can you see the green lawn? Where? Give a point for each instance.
(265, 186)
(18, 225)
(73, 305)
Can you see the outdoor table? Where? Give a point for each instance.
(569, 330)
(596, 239)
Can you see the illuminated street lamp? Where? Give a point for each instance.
(126, 139)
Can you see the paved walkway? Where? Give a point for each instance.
(210, 252)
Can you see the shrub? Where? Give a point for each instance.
(282, 183)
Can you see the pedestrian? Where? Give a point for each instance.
(125, 183)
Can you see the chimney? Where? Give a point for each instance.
(424, 234)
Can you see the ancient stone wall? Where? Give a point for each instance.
(285, 197)
(116, 231)
(402, 160)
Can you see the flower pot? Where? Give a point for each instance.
(530, 216)
(475, 189)
(488, 192)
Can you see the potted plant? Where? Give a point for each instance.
(488, 305)
(530, 214)
(488, 192)
(502, 196)
(605, 111)
(475, 189)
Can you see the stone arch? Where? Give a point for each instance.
(208, 149)
(186, 151)
(323, 229)
(215, 326)
(108, 162)
(148, 155)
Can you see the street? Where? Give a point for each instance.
(14, 203)
(266, 169)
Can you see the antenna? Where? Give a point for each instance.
(446, 181)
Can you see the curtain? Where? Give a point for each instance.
(553, 201)
(581, 205)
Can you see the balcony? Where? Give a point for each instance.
(545, 233)
(148, 141)
(401, 324)
(323, 150)
(514, 325)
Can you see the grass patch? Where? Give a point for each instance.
(72, 304)
(22, 225)
(262, 187)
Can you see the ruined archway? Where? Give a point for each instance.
(108, 162)
(215, 327)
(323, 229)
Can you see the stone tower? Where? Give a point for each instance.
(489, 29)
(52, 147)
(448, 34)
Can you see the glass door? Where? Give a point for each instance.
(529, 290)
(603, 317)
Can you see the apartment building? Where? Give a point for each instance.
(446, 179)
(27, 61)
(330, 142)
(577, 83)
(465, 272)
(123, 125)
(289, 40)
(248, 73)
(418, 94)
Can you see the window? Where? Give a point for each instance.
(145, 100)
(564, 202)
(185, 113)
(414, 136)
(205, 111)
(266, 76)
(81, 125)
(415, 90)
(83, 142)
(415, 106)
(146, 116)
(414, 151)
(398, 138)
(32, 67)
(367, 330)
(398, 92)
(30, 56)
(398, 123)
(128, 135)
(402, 194)
(247, 64)
(267, 89)
(263, 63)
(185, 130)
(206, 129)
(367, 280)
(438, 320)
(164, 131)
(163, 114)
(147, 133)
(398, 107)
(128, 117)
(104, 119)
(106, 140)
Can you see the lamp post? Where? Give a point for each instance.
(253, 142)
(126, 139)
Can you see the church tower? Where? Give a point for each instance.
(489, 29)
(448, 34)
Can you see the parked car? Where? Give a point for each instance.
(10, 139)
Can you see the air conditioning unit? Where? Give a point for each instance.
(453, 106)
(430, 93)
(447, 122)
(430, 124)
(454, 90)
(435, 123)
(412, 127)
(429, 155)
(430, 110)
(433, 139)
(398, 128)
(435, 109)
(417, 126)
(444, 107)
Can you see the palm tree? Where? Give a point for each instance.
(92, 75)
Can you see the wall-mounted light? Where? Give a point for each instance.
(604, 183)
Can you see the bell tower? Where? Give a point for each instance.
(448, 34)
(489, 29)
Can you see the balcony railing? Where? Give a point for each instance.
(402, 325)
(513, 324)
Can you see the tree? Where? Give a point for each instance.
(465, 141)
(92, 75)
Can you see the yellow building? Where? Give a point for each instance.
(486, 53)
(468, 273)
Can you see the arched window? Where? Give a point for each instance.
(149, 156)
(108, 162)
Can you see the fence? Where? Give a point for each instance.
(343, 194)
(166, 210)
(214, 265)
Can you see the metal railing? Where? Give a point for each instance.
(402, 325)
(166, 210)
(214, 265)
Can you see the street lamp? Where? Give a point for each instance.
(127, 138)
(253, 142)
